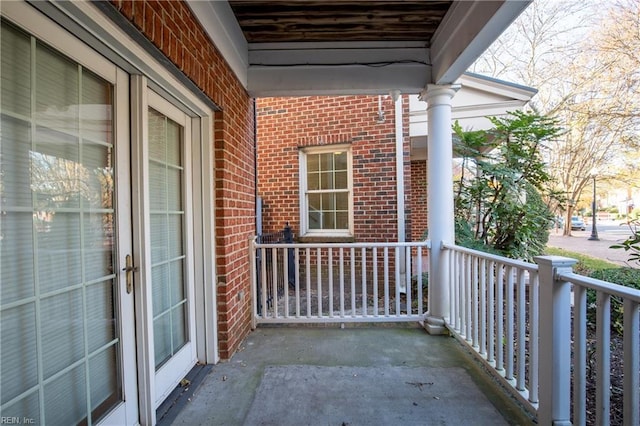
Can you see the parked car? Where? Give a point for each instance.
(577, 224)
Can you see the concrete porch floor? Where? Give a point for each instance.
(357, 375)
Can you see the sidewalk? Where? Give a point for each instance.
(580, 243)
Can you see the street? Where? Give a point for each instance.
(609, 233)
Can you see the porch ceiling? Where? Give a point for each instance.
(310, 47)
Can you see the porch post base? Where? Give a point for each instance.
(435, 326)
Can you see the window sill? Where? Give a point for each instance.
(326, 239)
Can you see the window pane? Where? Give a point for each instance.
(159, 239)
(328, 220)
(59, 260)
(326, 180)
(341, 180)
(174, 189)
(18, 351)
(328, 202)
(177, 275)
(96, 111)
(341, 162)
(315, 216)
(98, 246)
(162, 338)
(313, 162)
(157, 186)
(313, 181)
(15, 160)
(174, 232)
(161, 288)
(100, 316)
(62, 331)
(174, 143)
(56, 92)
(342, 220)
(62, 405)
(179, 337)
(326, 161)
(98, 177)
(103, 383)
(15, 72)
(342, 201)
(18, 281)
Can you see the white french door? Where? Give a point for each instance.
(65, 311)
(164, 224)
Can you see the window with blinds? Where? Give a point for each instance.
(59, 342)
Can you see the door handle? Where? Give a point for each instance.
(129, 269)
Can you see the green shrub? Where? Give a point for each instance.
(628, 277)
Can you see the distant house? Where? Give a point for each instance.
(354, 167)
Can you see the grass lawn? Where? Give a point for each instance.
(585, 262)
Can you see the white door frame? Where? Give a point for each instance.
(109, 39)
(46, 30)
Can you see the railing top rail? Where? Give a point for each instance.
(602, 286)
(425, 243)
(531, 267)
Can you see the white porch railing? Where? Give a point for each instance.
(517, 318)
(350, 282)
(527, 322)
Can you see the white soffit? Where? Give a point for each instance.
(333, 68)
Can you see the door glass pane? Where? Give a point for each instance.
(59, 340)
(167, 237)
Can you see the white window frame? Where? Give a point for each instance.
(303, 153)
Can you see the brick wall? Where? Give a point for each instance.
(286, 124)
(171, 26)
(418, 199)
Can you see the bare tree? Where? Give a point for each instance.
(586, 76)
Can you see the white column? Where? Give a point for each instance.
(440, 221)
(555, 341)
(400, 197)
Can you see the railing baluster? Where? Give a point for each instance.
(522, 338)
(534, 344)
(363, 255)
(263, 282)
(491, 300)
(397, 263)
(308, 283)
(483, 306)
(419, 280)
(274, 269)
(580, 355)
(603, 355)
(285, 279)
(319, 283)
(631, 363)
(296, 256)
(353, 281)
(458, 291)
(500, 318)
(386, 281)
(407, 277)
(330, 265)
(468, 298)
(510, 324)
(375, 281)
(474, 302)
(342, 296)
